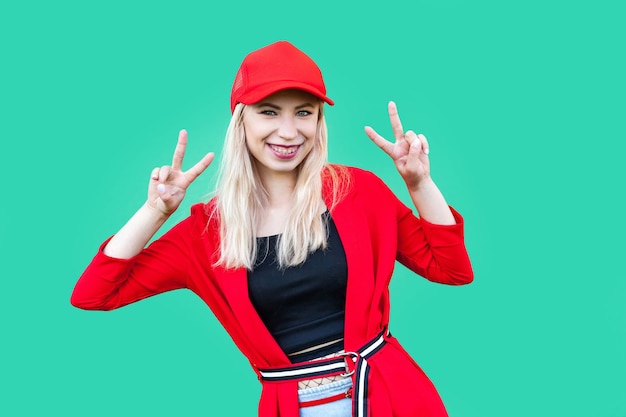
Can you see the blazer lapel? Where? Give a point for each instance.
(352, 227)
(253, 330)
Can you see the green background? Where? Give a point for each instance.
(523, 105)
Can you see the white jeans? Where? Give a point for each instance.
(338, 408)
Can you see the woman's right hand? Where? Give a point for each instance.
(168, 184)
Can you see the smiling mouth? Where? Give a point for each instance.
(284, 150)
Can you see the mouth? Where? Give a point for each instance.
(284, 152)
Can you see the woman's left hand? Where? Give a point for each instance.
(409, 152)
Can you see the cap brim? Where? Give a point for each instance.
(259, 93)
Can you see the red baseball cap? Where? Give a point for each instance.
(276, 67)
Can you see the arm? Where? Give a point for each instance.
(410, 155)
(432, 245)
(109, 283)
(166, 190)
(123, 271)
(436, 252)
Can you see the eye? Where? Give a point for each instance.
(303, 113)
(268, 112)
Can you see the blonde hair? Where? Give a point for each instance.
(240, 198)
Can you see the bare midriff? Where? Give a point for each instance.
(311, 383)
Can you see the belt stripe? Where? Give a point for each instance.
(362, 376)
(298, 372)
(359, 404)
(335, 365)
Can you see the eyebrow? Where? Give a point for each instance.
(274, 106)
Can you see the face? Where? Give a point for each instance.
(281, 130)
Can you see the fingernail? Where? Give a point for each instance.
(161, 188)
(426, 151)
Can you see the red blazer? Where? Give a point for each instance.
(376, 229)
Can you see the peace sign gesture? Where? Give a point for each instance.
(409, 152)
(168, 184)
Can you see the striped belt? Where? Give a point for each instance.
(346, 364)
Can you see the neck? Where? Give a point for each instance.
(279, 188)
(276, 210)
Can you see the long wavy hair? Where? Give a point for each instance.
(240, 198)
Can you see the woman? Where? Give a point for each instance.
(293, 255)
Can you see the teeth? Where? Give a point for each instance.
(284, 151)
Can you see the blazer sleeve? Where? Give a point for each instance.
(109, 283)
(437, 252)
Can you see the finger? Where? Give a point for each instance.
(179, 152)
(396, 124)
(381, 142)
(193, 172)
(424, 141)
(154, 176)
(415, 144)
(164, 172)
(165, 192)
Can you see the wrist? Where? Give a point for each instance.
(154, 213)
(423, 185)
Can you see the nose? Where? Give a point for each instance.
(288, 129)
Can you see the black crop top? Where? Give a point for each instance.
(302, 306)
